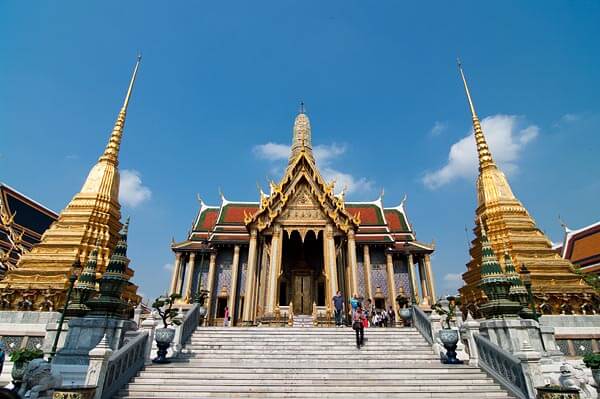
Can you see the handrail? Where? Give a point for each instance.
(422, 323)
(191, 320)
(124, 364)
(502, 365)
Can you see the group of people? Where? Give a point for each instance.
(361, 316)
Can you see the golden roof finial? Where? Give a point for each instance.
(483, 151)
(111, 153)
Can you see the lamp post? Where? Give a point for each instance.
(526, 278)
(72, 279)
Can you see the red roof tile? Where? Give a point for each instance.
(370, 214)
(234, 213)
(396, 220)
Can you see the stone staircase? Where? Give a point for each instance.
(302, 321)
(309, 363)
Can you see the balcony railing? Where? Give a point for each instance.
(422, 323)
(502, 365)
(124, 364)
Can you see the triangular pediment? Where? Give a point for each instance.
(302, 198)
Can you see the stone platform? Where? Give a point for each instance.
(309, 363)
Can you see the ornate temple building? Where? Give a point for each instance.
(511, 230)
(582, 247)
(91, 220)
(293, 249)
(22, 223)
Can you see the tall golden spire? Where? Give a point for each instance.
(483, 151)
(301, 140)
(91, 221)
(111, 153)
(510, 229)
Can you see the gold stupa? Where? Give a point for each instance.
(510, 229)
(90, 220)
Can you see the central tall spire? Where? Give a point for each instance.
(111, 153)
(483, 151)
(301, 140)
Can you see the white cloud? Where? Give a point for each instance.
(325, 155)
(271, 151)
(438, 128)
(345, 180)
(506, 137)
(453, 277)
(570, 118)
(168, 267)
(131, 191)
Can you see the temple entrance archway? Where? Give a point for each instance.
(302, 281)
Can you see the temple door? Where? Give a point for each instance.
(302, 297)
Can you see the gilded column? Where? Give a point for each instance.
(249, 289)
(234, 278)
(413, 278)
(423, 278)
(430, 279)
(331, 265)
(189, 278)
(352, 261)
(391, 284)
(176, 272)
(263, 280)
(210, 284)
(367, 271)
(276, 242)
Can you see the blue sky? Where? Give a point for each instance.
(221, 80)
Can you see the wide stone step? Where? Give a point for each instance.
(276, 380)
(356, 388)
(188, 367)
(404, 372)
(330, 395)
(347, 350)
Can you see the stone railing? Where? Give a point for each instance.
(191, 320)
(422, 323)
(502, 365)
(109, 371)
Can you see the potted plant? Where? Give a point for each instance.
(21, 358)
(448, 335)
(164, 336)
(405, 311)
(592, 360)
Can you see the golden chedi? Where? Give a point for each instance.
(557, 289)
(91, 220)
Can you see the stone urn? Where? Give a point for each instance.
(202, 313)
(596, 376)
(406, 316)
(449, 338)
(163, 338)
(556, 392)
(18, 371)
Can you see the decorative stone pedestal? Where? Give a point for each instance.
(509, 334)
(84, 335)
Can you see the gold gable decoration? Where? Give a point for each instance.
(302, 174)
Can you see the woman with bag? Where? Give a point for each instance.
(358, 326)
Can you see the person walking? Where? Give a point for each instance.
(354, 303)
(226, 317)
(357, 324)
(392, 317)
(338, 308)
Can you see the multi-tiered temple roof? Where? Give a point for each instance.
(378, 225)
